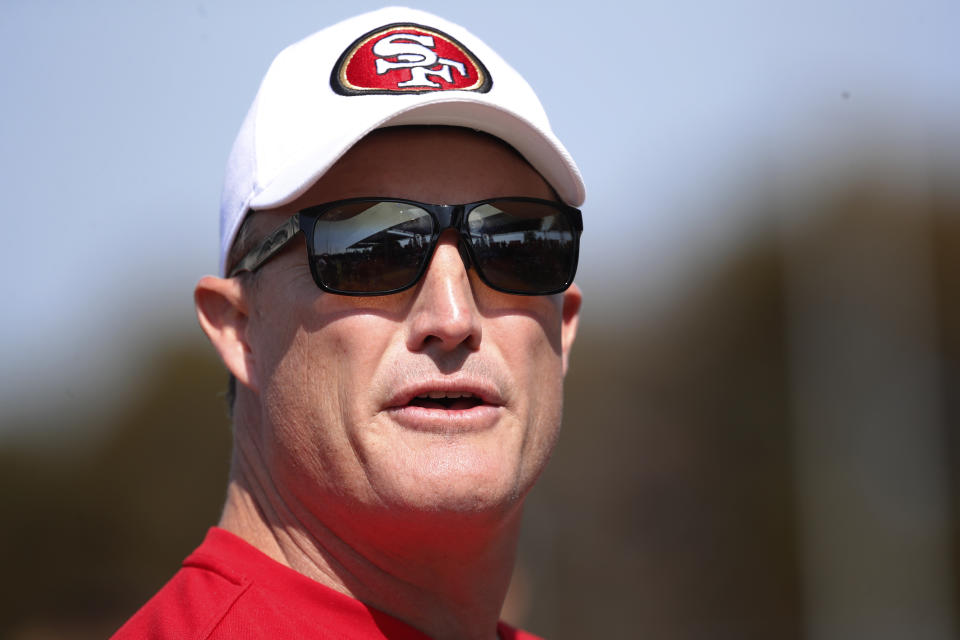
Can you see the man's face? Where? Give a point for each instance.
(354, 406)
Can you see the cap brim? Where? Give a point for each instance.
(540, 148)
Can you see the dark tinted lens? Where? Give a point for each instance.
(523, 247)
(371, 247)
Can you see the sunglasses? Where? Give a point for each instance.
(379, 246)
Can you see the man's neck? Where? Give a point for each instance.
(443, 575)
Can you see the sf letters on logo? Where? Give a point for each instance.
(407, 58)
(414, 52)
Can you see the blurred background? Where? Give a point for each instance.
(761, 433)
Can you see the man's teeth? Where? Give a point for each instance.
(436, 395)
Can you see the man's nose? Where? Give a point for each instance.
(444, 312)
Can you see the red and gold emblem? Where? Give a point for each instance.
(408, 58)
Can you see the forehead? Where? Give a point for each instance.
(441, 165)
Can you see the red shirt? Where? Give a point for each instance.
(230, 590)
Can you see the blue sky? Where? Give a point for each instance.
(116, 118)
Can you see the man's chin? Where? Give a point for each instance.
(455, 490)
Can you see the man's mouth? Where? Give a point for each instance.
(447, 406)
(448, 400)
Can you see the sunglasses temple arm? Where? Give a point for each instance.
(270, 246)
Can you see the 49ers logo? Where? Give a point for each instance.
(407, 58)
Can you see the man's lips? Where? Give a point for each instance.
(444, 393)
(446, 405)
(447, 401)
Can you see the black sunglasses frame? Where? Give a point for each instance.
(445, 216)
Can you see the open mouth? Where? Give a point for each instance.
(447, 407)
(446, 400)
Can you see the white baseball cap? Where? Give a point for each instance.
(391, 67)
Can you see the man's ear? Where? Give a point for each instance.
(572, 299)
(222, 311)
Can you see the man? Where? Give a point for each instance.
(398, 361)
